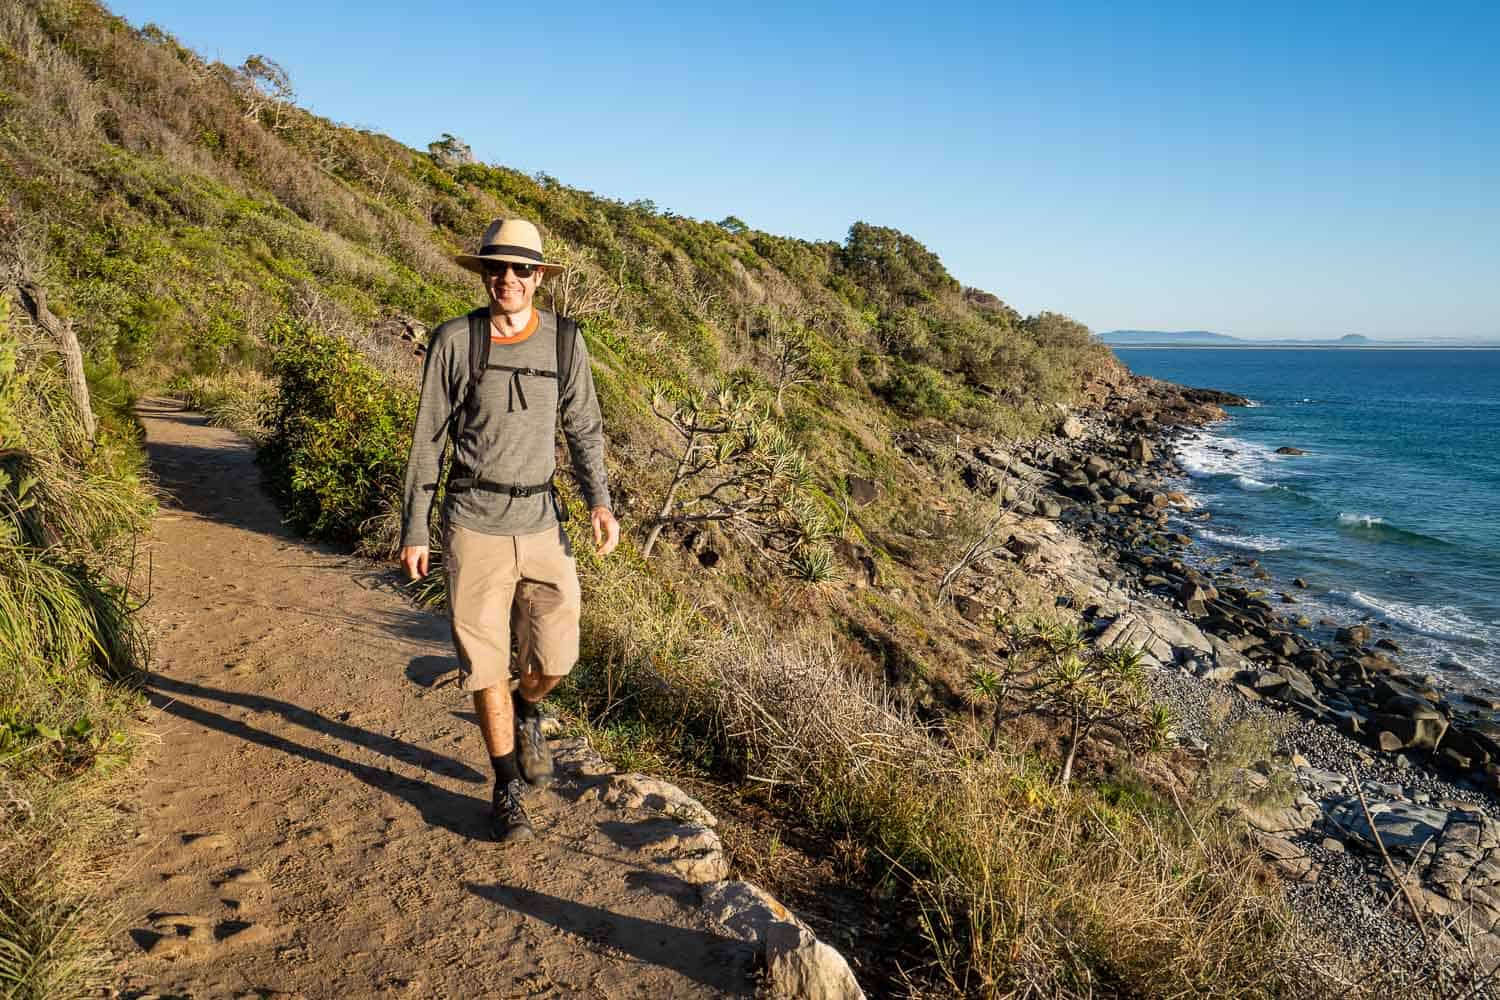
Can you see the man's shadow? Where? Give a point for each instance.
(452, 811)
(718, 962)
(432, 671)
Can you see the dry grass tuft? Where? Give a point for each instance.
(239, 399)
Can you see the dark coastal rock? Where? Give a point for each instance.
(1215, 396)
(1387, 644)
(1354, 635)
(1096, 467)
(1289, 450)
(1413, 733)
(1300, 583)
(1466, 743)
(1140, 450)
(1403, 827)
(1416, 709)
(1282, 644)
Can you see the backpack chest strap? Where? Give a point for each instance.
(516, 391)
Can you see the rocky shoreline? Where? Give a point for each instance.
(1392, 839)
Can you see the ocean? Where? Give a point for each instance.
(1393, 513)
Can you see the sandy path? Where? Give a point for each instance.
(313, 822)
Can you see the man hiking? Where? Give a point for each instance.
(494, 383)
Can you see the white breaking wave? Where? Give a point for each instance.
(1436, 623)
(1252, 484)
(1249, 543)
(1205, 454)
(1360, 520)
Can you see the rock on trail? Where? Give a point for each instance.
(312, 823)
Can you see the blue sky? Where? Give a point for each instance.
(1259, 170)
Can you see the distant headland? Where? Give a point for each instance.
(1206, 338)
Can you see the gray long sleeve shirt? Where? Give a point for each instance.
(509, 438)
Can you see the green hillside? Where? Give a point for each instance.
(205, 236)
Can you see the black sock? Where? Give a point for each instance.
(524, 709)
(506, 769)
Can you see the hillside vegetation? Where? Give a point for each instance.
(204, 235)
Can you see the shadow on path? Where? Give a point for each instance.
(457, 813)
(460, 814)
(433, 671)
(719, 962)
(390, 746)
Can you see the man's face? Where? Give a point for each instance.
(508, 290)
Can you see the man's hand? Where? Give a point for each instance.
(606, 530)
(414, 559)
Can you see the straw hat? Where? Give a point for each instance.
(515, 240)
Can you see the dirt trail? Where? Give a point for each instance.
(313, 822)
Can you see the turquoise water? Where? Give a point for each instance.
(1394, 512)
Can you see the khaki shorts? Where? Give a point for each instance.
(499, 585)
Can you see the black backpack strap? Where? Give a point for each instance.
(567, 338)
(479, 355)
(479, 351)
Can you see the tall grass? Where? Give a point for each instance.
(69, 648)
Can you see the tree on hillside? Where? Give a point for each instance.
(892, 266)
(267, 90)
(1056, 331)
(735, 468)
(1050, 670)
(450, 152)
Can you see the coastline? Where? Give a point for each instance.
(1391, 839)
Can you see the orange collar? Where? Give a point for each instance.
(526, 331)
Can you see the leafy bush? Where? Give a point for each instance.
(340, 434)
(917, 391)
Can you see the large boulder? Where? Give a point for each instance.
(1404, 827)
(797, 963)
(1163, 637)
(1409, 733)
(1354, 635)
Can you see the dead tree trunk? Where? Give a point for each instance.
(35, 300)
(684, 468)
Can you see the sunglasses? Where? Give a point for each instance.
(496, 269)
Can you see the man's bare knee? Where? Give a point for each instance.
(536, 685)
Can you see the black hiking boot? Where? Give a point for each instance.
(508, 820)
(532, 751)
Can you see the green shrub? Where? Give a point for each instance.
(917, 391)
(340, 433)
